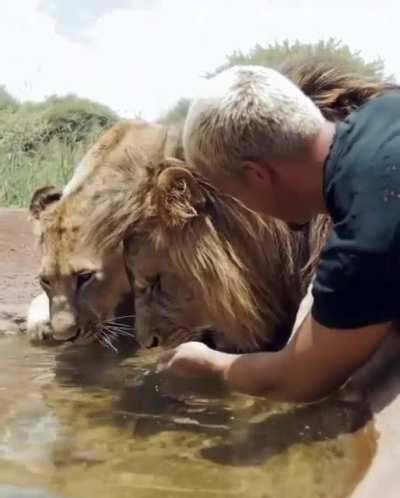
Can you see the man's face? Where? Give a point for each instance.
(265, 192)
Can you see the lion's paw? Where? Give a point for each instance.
(38, 326)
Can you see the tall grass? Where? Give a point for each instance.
(40, 144)
(22, 171)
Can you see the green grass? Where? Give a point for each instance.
(40, 145)
(22, 172)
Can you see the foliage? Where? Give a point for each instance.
(6, 100)
(41, 142)
(70, 114)
(331, 51)
(177, 113)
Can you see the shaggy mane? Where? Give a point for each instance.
(252, 288)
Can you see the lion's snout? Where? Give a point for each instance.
(65, 326)
(149, 340)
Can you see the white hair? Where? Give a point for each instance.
(248, 113)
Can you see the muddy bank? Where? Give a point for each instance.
(19, 261)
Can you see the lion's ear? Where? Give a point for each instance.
(179, 195)
(42, 198)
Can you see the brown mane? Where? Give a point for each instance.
(211, 238)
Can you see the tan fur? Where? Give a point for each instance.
(61, 222)
(232, 271)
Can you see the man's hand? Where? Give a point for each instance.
(196, 359)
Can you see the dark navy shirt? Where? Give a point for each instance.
(358, 277)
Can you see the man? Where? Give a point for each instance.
(256, 136)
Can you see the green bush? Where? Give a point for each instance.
(7, 102)
(22, 172)
(331, 51)
(176, 114)
(41, 142)
(71, 116)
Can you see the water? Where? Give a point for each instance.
(85, 423)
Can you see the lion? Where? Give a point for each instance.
(202, 265)
(83, 288)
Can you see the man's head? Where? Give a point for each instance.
(252, 132)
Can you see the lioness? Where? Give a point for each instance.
(82, 286)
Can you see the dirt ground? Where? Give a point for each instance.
(19, 260)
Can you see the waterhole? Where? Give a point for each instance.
(87, 423)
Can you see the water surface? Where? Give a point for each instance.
(86, 423)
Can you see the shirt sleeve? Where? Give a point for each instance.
(358, 278)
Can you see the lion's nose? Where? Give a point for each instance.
(155, 342)
(147, 337)
(64, 327)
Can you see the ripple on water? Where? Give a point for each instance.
(85, 423)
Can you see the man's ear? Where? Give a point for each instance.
(42, 198)
(179, 195)
(255, 171)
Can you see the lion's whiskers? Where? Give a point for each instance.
(109, 332)
(121, 317)
(105, 337)
(121, 330)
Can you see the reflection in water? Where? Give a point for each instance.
(84, 422)
(16, 492)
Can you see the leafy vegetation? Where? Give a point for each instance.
(41, 142)
(331, 51)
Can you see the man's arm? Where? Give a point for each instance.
(315, 362)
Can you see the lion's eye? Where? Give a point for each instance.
(140, 289)
(83, 277)
(44, 282)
